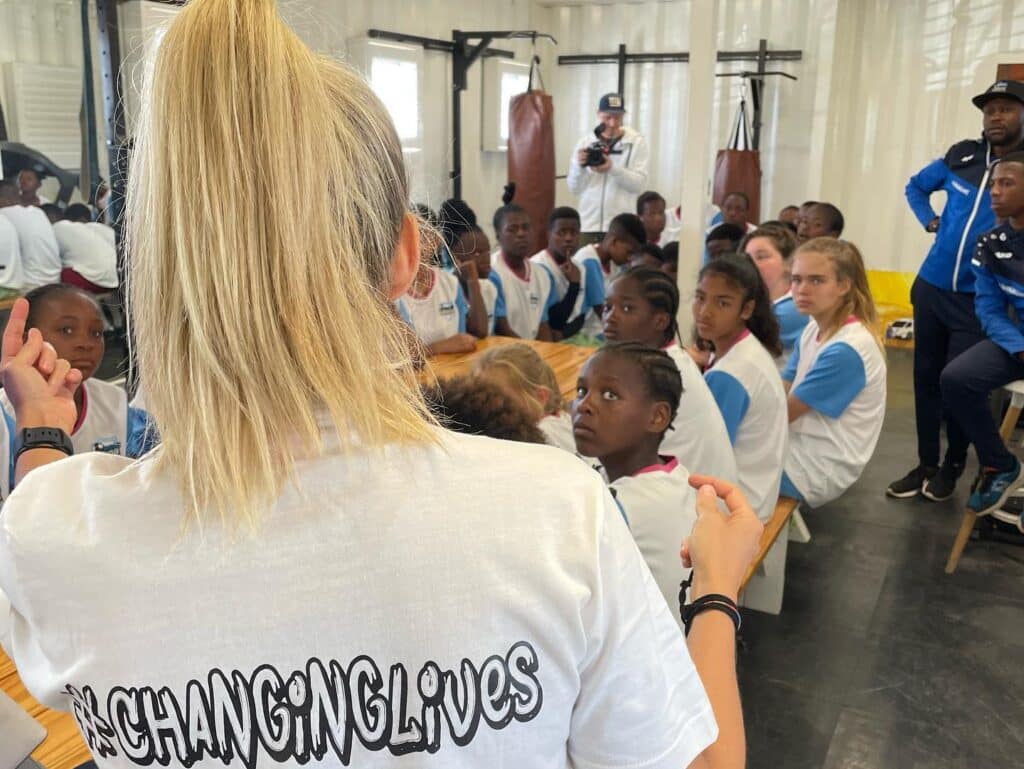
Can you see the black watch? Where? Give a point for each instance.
(42, 438)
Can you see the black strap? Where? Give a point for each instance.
(709, 602)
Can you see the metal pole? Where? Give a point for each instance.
(622, 70)
(110, 62)
(757, 89)
(91, 159)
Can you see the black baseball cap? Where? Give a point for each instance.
(1001, 89)
(611, 102)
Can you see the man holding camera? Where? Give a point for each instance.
(608, 168)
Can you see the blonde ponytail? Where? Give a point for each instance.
(267, 196)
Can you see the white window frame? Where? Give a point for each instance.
(364, 53)
(494, 117)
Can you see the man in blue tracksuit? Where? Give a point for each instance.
(945, 323)
(998, 265)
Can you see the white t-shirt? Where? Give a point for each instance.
(527, 300)
(588, 260)
(557, 429)
(698, 438)
(441, 314)
(843, 381)
(388, 602)
(88, 252)
(40, 256)
(746, 384)
(11, 272)
(489, 292)
(661, 508)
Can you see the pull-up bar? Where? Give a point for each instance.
(762, 56)
(465, 48)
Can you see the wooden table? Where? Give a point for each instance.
(63, 747)
(565, 359)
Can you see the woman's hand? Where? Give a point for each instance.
(722, 546)
(40, 386)
(701, 357)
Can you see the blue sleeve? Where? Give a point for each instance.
(142, 433)
(403, 311)
(991, 307)
(789, 373)
(463, 307)
(594, 296)
(552, 296)
(791, 323)
(718, 218)
(919, 189)
(500, 311)
(732, 398)
(834, 380)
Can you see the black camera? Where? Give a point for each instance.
(598, 151)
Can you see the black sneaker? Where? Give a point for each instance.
(910, 485)
(941, 486)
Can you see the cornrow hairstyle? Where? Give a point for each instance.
(52, 292)
(741, 272)
(628, 226)
(661, 376)
(836, 222)
(781, 237)
(473, 406)
(661, 292)
(499, 216)
(647, 197)
(563, 212)
(526, 370)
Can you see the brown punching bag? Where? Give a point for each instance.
(738, 169)
(531, 157)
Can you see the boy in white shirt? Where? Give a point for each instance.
(608, 258)
(87, 253)
(527, 288)
(40, 256)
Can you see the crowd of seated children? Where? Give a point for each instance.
(469, 405)
(528, 289)
(611, 254)
(771, 248)
(627, 395)
(577, 289)
(642, 307)
(523, 375)
(836, 377)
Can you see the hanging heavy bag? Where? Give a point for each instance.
(738, 168)
(531, 156)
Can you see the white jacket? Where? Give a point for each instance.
(604, 196)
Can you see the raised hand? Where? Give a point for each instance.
(40, 386)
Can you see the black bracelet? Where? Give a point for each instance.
(709, 602)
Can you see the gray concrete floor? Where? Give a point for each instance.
(879, 659)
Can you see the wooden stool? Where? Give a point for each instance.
(784, 510)
(1016, 390)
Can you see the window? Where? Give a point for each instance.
(503, 79)
(394, 72)
(513, 83)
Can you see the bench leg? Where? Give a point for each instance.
(961, 541)
(1010, 420)
(798, 531)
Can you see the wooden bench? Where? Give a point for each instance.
(775, 526)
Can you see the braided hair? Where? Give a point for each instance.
(661, 376)
(742, 273)
(661, 292)
(470, 405)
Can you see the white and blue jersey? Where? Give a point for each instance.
(440, 313)
(748, 390)
(998, 265)
(791, 325)
(599, 281)
(526, 300)
(746, 385)
(843, 381)
(661, 508)
(106, 423)
(591, 293)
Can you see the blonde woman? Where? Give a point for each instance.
(308, 570)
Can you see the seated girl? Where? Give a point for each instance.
(71, 320)
(642, 306)
(526, 378)
(836, 376)
(627, 395)
(733, 313)
(771, 248)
